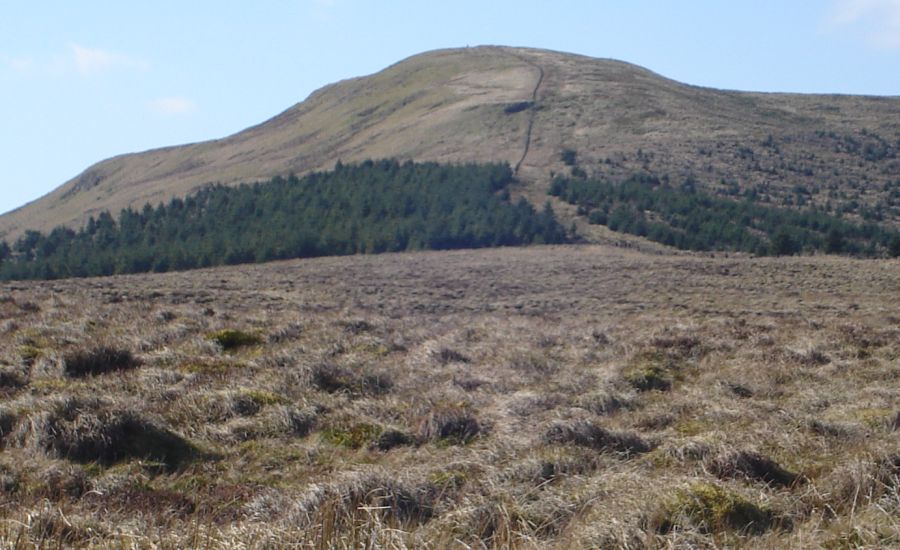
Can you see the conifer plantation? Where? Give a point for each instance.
(690, 219)
(373, 207)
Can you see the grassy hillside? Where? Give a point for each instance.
(524, 107)
(548, 397)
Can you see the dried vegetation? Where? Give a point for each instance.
(551, 397)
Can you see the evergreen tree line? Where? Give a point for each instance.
(372, 207)
(689, 219)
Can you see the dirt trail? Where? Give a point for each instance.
(531, 110)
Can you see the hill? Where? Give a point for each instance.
(541, 397)
(527, 108)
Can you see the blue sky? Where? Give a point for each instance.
(83, 81)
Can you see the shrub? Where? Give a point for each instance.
(711, 509)
(586, 434)
(231, 339)
(98, 360)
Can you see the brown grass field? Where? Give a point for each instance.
(545, 397)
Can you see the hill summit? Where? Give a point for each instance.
(543, 113)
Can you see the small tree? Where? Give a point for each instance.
(784, 244)
(834, 242)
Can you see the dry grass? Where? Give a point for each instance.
(482, 399)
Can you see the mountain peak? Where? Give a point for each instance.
(495, 103)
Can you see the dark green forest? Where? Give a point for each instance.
(689, 219)
(372, 207)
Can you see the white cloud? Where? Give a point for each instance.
(877, 20)
(75, 59)
(90, 61)
(172, 106)
(20, 64)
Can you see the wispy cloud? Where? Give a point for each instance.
(23, 64)
(175, 105)
(877, 20)
(90, 61)
(75, 59)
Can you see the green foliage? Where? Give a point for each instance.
(569, 157)
(354, 437)
(264, 398)
(689, 219)
(231, 339)
(372, 207)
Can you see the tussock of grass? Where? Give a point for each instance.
(210, 366)
(232, 339)
(12, 377)
(392, 438)
(862, 482)
(586, 434)
(98, 360)
(650, 371)
(356, 326)
(445, 356)
(334, 378)
(8, 419)
(752, 466)
(711, 509)
(347, 501)
(88, 431)
(29, 354)
(61, 481)
(605, 402)
(353, 437)
(450, 423)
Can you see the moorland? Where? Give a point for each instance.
(538, 397)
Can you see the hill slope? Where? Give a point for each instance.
(525, 107)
